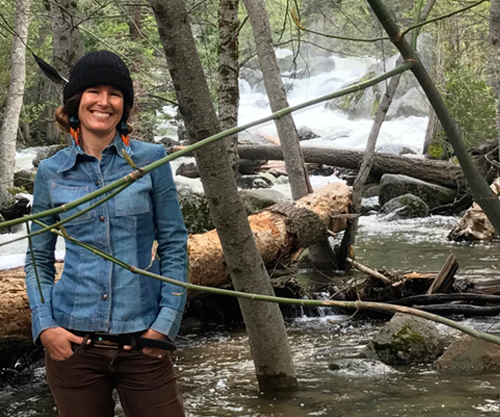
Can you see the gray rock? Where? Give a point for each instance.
(322, 64)
(189, 170)
(392, 186)
(361, 368)
(470, 354)
(412, 103)
(25, 178)
(253, 181)
(46, 152)
(405, 206)
(256, 200)
(194, 207)
(306, 133)
(404, 340)
(369, 205)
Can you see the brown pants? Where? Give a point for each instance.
(82, 385)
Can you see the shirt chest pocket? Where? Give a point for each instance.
(64, 194)
(135, 199)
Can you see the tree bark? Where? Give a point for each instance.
(442, 173)
(229, 70)
(67, 50)
(67, 42)
(287, 132)
(15, 94)
(264, 322)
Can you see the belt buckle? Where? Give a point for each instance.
(100, 342)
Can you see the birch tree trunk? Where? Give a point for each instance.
(15, 94)
(67, 50)
(264, 322)
(287, 132)
(229, 91)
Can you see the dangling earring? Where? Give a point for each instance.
(125, 137)
(74, 131)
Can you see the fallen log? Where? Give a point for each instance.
(436, 172)
(280, 231)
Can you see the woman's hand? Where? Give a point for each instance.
(154, 352)
(57, 341)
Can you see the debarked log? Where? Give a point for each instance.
(279, 232)
(436, 172)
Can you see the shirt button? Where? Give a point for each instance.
(105, 297)
(102, 218)
(97, 182)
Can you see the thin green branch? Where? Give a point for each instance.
(419, 25)
(67, 219)
(443, 17)
(414, 34)
(34, 264)
(189, 149)
(357, 305)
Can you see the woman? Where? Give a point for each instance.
(102, 327)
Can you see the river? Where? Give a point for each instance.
(216, 373)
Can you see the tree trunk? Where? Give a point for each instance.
(67, 50)
(264, 322)
(279, 232)
(442, 173)
(229, 91)
(66, 41)
(15, 94)
(287, 132)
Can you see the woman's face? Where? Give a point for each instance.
(100, 110)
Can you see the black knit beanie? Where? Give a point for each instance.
(100, 68)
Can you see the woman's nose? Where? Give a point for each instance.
(103, 98)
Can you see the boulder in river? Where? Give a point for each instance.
(470, 354)
(392, 185)
(405, 206)
(405, 340)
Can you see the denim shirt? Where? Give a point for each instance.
(94, 294)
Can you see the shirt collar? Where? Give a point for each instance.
(76, 154)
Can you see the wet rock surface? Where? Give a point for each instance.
(405, 340)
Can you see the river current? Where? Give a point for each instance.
(216, 372)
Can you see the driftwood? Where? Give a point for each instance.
(474, 225)
(279, 231)
(436, 172)
(444, 279)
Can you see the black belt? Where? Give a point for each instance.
(127, 339)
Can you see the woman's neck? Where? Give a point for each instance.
(93, 144)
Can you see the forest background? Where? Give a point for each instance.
(463, 58)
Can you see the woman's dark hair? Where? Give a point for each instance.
(64, 113)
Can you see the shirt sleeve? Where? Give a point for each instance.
(172, 249)
(43, 252)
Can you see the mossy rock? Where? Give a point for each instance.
(406, 206)
(405, 340)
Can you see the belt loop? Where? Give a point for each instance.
(134, 342)
(85, 341)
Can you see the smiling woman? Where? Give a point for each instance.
(103, 328)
